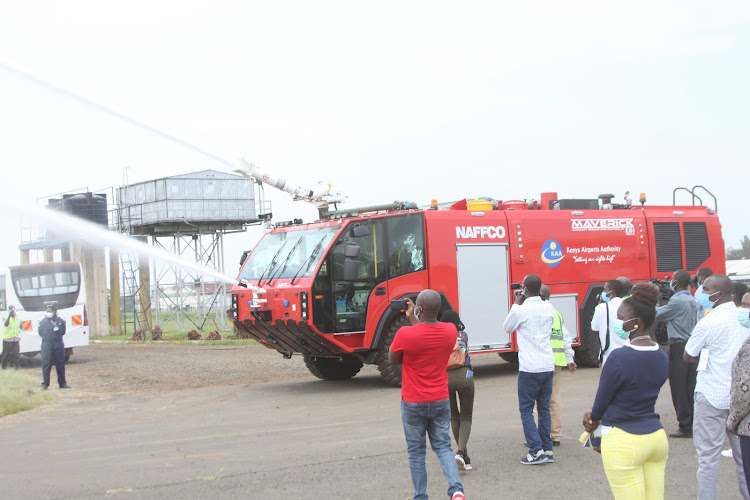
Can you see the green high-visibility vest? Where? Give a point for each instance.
(13, 329)
(558, 345)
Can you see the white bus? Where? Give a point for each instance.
(32, 287)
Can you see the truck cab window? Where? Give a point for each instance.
(406, 237)
(349, 295)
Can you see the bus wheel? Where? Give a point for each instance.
(333, 368)
(391, 373)
(510, 357)
(68, 352)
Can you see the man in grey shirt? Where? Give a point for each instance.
(680, 314)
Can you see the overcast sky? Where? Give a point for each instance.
(386, 100)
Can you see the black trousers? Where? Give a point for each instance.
(11, 354)
(682, 377)
(745, 447)
(53, 353)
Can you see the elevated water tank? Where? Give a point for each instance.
(207, 201)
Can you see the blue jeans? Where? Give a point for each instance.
(535, 388)
(53, 353)
(434, 420)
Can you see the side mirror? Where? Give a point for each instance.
(359, 230)
(351, 251)
(244, 256)
(351, 261)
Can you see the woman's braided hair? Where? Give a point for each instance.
(451, 316)
(642, 301)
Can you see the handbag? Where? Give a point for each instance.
(457, 357)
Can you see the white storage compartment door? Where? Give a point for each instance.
(567, 304)
(483, 294)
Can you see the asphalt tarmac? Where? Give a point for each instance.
(304, 439)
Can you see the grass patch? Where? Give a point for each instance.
(19, 392)
(172, 334)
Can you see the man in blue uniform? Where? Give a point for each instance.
(52, 329)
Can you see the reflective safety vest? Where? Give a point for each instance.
(13, 329)
(558, 345)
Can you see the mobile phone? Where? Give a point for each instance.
(399, 304)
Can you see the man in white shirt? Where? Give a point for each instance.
(531, 318)
(715, 342)
(603, 321)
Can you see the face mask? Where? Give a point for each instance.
(671, 286)
(49, 315)
(705, 300)
(742, 316)
(605, 297)
(619, 330)
(416, 314)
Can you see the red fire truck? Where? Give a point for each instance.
(322, 290)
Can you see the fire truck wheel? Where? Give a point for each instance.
(333, 368)
(510, 357)
(389, 372)
(585, 358)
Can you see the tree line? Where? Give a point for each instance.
(740, 253)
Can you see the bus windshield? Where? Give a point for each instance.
(38, 285)
(287, 254)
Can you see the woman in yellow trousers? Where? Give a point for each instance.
(634, 445)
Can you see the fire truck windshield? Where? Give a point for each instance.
(287, 254)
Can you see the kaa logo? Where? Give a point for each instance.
(552, 253)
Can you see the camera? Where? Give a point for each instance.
(399, 305)
(664, 288)
(515, 286)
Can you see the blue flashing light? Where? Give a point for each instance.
(286, 303)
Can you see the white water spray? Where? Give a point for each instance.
(101, 237)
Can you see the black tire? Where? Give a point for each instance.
(510, 357)
(29, 354)
(333, 368)
(391, 373)
(586, 359)
(68, 352)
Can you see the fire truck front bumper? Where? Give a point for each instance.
(288, 337)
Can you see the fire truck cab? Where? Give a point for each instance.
(323, 290)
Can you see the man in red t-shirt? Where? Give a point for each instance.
(423, 349)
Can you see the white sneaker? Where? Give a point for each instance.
(727, 453)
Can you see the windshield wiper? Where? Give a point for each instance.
(310, 259)
(286, 261)
(271, 264)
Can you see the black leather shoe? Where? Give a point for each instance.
(681, 434)
(66, 386)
